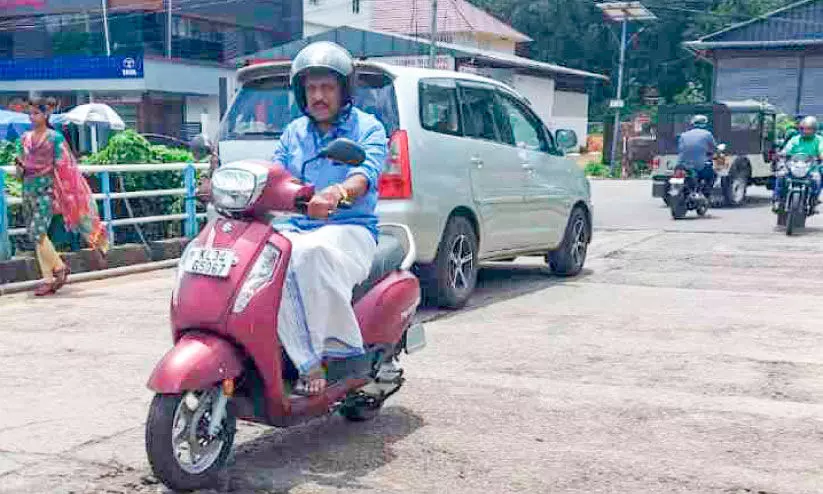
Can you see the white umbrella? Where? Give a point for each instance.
(93, 114)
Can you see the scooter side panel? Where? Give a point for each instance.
(386, 311)
(255, 329)
(197, 361)
(203, 301)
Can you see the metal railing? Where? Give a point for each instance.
(106, 196)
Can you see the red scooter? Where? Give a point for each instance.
(227, 362)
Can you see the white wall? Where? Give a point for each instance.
(198, 105)
(571, 111)
(540, 93)
(320, 15)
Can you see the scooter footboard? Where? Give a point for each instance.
(386, 311)
(197, 361)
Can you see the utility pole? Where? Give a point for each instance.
(622, 12)
(106, 26)
(616, 129)
(433, 36)
(168, 32)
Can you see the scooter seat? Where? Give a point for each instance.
(389, 257)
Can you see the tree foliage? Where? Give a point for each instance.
(574, 33)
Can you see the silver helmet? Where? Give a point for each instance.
(809, 123)
(700, 121)
(322, 56)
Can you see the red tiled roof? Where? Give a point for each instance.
(453, 16)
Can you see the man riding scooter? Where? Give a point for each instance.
(695, 150)
(807, 142)
(332, 249)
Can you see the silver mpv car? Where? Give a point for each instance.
(471, 168)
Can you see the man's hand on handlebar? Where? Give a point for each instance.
(324, 203)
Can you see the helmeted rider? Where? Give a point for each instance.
(332, 249)
(695, 149)
(795, 130)
(807, 142)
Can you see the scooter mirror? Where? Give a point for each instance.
(344, 151)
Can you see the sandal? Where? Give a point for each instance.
(99, 260)
(61, 276)
(303, 386)
(45, 289)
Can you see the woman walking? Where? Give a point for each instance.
(52, 184)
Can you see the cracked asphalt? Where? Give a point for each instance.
(687, 358)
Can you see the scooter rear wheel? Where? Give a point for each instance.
(179, 451)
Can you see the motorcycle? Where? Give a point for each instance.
(685, 192)
(227, 363)
(796, 201)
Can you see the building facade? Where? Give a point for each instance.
(458, 21)
(776, 58)
(166, 66)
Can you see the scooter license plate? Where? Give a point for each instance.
(209, 262)
(677, 181)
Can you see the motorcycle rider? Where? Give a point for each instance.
(695, 149)
(807, 142)
(795, 130)
(332, 249)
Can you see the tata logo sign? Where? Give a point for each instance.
(71, 67)
(129, 67)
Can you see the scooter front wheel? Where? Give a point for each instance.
(182, 454)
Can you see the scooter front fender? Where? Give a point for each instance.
(197, 361)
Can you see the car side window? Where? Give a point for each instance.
(525, 128)
(477, 107)
(438, 106)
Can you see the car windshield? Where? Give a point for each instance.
(264, 108)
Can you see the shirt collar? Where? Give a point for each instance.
(343, 126)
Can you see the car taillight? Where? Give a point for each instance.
(772, 156)
(656, 163)
(680, 173)
(395, 181)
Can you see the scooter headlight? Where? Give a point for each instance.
(237, 186)
(261, 273)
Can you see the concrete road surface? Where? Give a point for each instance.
(686, 359)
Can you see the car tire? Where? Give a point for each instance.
(568, 260)
(736, 185)
(444, 286)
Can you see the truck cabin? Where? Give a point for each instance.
(746, 127)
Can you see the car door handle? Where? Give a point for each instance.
(527, 166)
(477, 161)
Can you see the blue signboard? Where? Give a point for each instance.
(57, 68)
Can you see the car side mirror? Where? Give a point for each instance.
(566, 139)
(344, 151)
(201, 147)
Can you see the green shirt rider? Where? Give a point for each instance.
(807, 142)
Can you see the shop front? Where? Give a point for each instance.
(156, 96)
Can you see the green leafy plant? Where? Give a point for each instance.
(130, 148)
(14, 187)
(596, 169)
